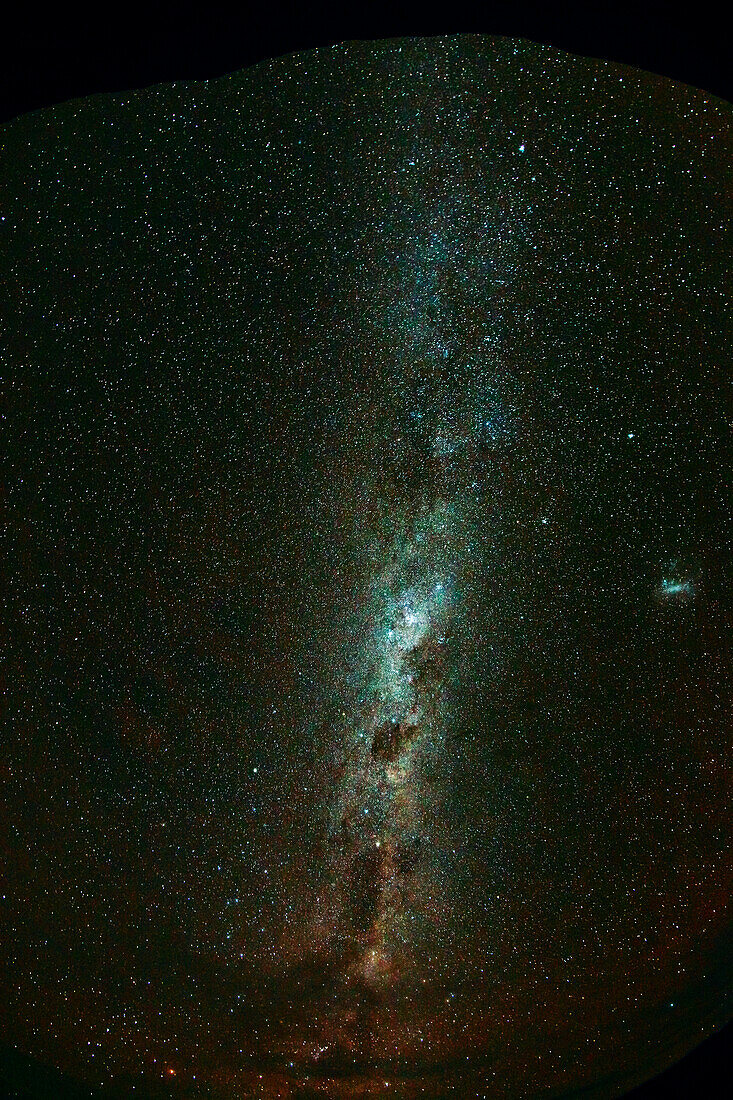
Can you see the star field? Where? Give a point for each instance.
(367, 602)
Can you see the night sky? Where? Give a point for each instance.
(366, 607)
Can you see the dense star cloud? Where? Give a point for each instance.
(367, 584)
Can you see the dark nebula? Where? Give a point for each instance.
(367, 594)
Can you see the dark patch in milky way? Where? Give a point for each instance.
(427, 665)
(408, 856)
(365, 888)
(392, 738)
(368, 576)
